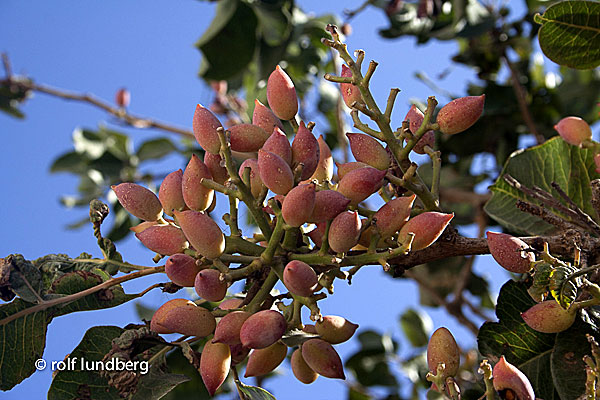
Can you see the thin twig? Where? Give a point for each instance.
(582, 214)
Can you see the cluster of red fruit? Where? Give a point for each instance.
(301, 177)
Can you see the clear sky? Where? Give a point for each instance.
(98, 47)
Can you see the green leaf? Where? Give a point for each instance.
(570, 33)
(296, 337)
(274, 20)
(155, 149)
(78, 383)
(23, 339)
(253, 392)
(511, 336)
(416, 326)
(156, 384)
(72, 161)
(536, 369)
(370, 364)
(20, 277)
(555, 160)
(233, 33)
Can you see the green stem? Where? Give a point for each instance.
(209, 183)
(263, 292)
(233, 217)
(120, 264)
(236, 244)
(436, 163)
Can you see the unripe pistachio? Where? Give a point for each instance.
(209, 285)
(182, 269)
(416, 117)
(197, 196)
(214, 162)
(279, 144)
(163, 239)
(510, 252)
(442, 348)
(262, 329)
(256, 183)
(205, 126)
(139, 201)
(508, 377)
(161, 313)
(170, 194)
(324, 171)
(264, 117)
(427, 227)
(247, 137)
(350, 92)
(368, 150)
(322, 358)
(228, 328)
(574, 130)
(549, 317)
(263, 361)
(343, 169)
(328, 204)
(359, 184)
(344, 231)
(301, 370)
(460, 114)
(238, 353)
(232, 303)
(334, 329)
(281, 94)
(298, 205)
(275, 173)
(122, 98)
(299, 278)
(202, 232)
(185, 318)
(392, 216)
(215, 363)
(305, 150)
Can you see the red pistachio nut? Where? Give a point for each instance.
(184, 317)
(322, 358)
(416, 117)
(263, 361)
(507, 377)
(170, 194)
(122, 98)
(368, 150)
(427, 227)
(549, 317)
(334, 329)
(229, 304)
(197, 196)
(298, 205)
(299, 278)
(215, 363)
(139, 201)
(574, 130)
(205, 126)
(202, 232)
(344, 231)
(163, 239)
(359, 184)
(264, 117)
(442, 348)
(216, 166)
(460, 114)
(350, 92)
(247, 137)
(262, 329)
(392, 216)
(301, 370)
(279, 144)
(209, 286)
(182, 269)
(510, 252)
(228, 328)
(256, 184)
(281, 94)
(328, 204)
(343, 169)
(305, 150)
(275, 173)
(324, 171)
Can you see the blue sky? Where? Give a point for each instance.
(98, 47)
